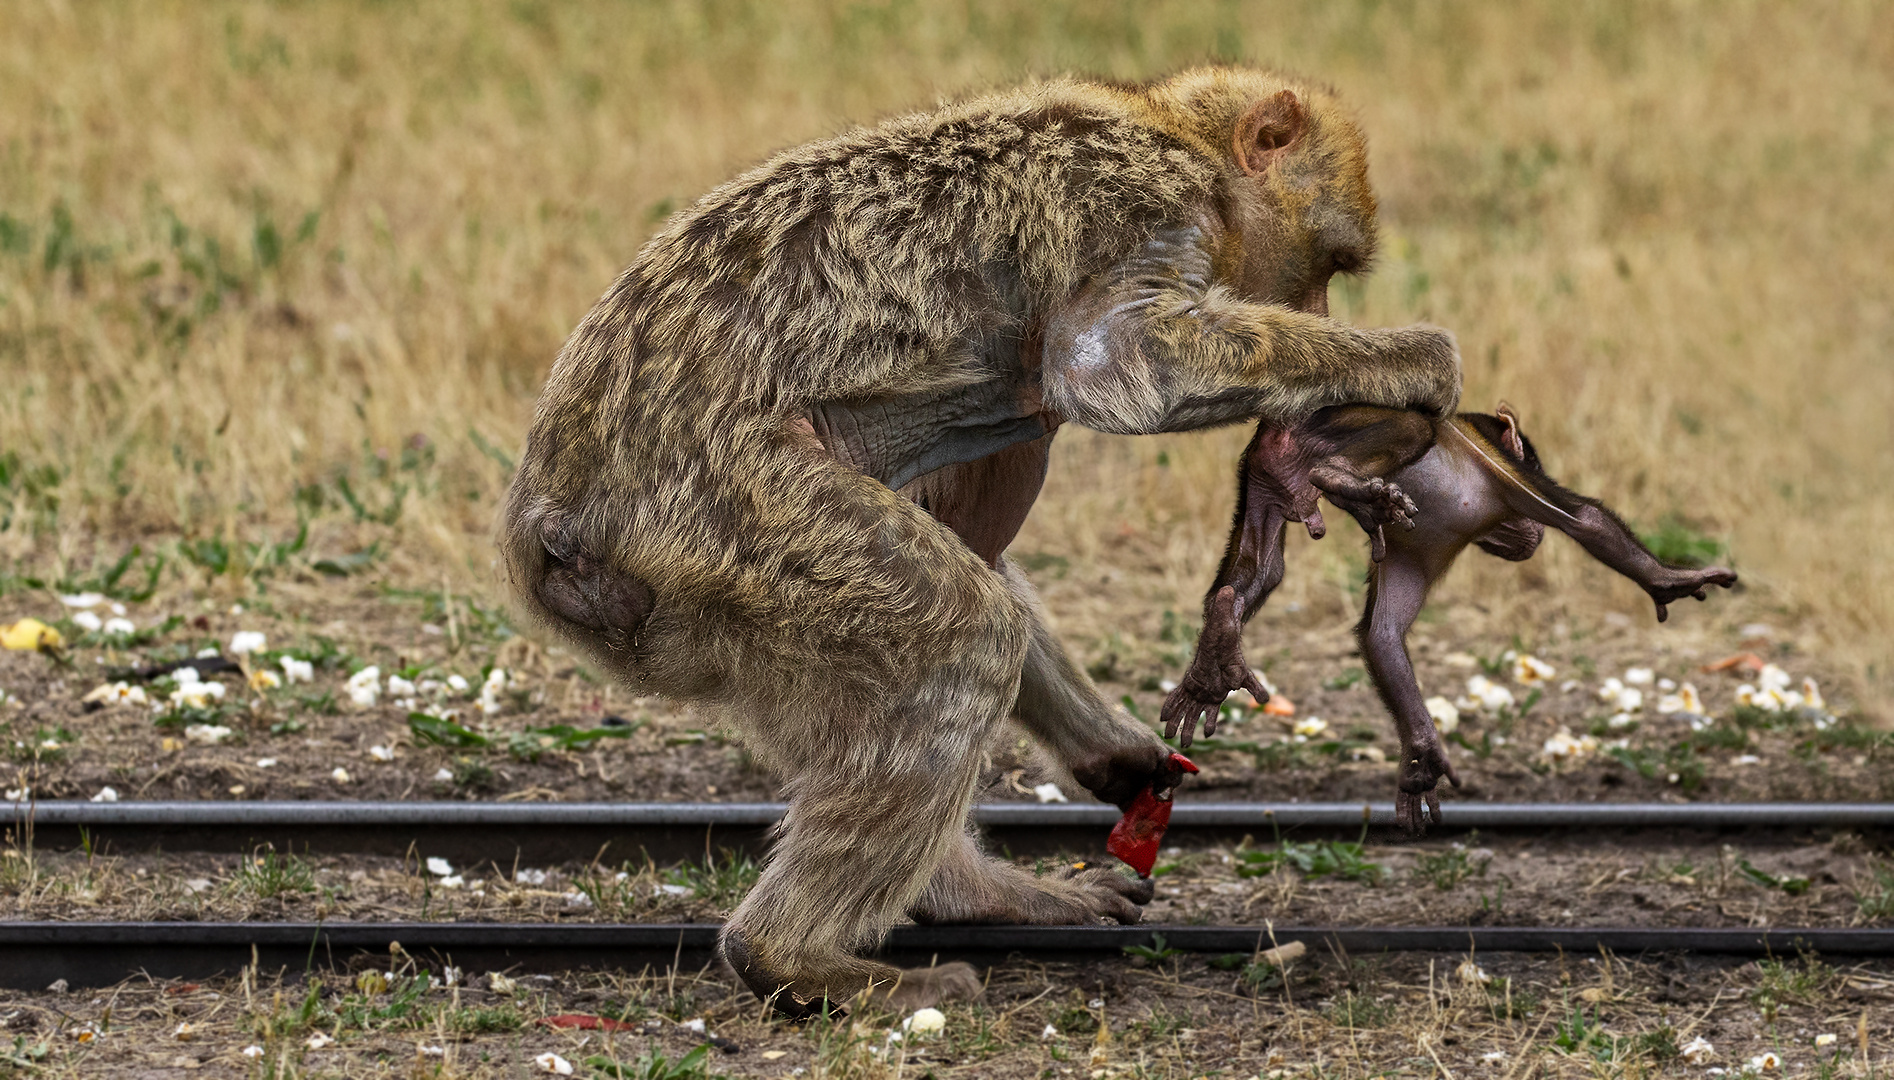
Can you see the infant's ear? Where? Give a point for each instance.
(1514, 445)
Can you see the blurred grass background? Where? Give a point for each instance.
(265, 266)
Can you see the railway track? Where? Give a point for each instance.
(35, 954)
(552, 832)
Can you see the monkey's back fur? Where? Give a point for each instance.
(901, 261)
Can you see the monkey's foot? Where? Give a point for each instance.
(1416, 798)
(1216, 669)
(924, 988)
(972, 888)
(810, 987)
(1675, 584)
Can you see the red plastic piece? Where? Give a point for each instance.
(1138, 835)
(583, 1022)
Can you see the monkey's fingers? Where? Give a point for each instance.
(1663, 611)
(1254, 685)
(1452, 776)
(1433, 805)
(1377, 544)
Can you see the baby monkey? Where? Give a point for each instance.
(1470, 479)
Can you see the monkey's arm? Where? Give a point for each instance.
(1111, 755)
(1251, 569)
(1156, 344)
(1396, 589)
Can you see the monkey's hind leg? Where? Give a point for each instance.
(875, 808)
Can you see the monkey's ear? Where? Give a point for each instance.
(1511, 441)
(1269, 130)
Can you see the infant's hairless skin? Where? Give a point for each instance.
(1470, 479)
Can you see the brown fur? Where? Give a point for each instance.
(1445, 484)
(706, 502)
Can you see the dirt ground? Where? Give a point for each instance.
(553, 731)
(1500, 1015)
(1640, 880)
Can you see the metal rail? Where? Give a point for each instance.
(470, 831)
(33, 955)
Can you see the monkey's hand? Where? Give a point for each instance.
(1217, 669)
(1118, 775)
(1370, 500)
(1422, 766)
(1674, 584)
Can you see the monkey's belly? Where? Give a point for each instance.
(898, 439)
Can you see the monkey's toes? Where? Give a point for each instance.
(1106, 892)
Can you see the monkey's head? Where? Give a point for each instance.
(1501, 428)
(1296, 201)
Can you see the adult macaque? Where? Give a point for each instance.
(775, 469)
(1472, 479)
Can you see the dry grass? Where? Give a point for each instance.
(1659, 229)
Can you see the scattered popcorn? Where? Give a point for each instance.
(1746, 759)
(1050, 1033)
(1825, 1039)
(1461, 660)
(575, 898)
(251, 1052)
(197, 885)
(439, 867)
(399, 687)
(444, 776)
(381, 753)
(1492, 1057)
(450, 975)
(673, 890)
(694, 1025)
(490, 692)
(208, 652)
(319, 1040)
(1638, 676)
(1470, 972)
(437, 1051)
(553, 1063)
(1772, 677)
(297, 670)
(530, 877)
(1367, 753)
(1765, 1061)
(1529, 669)
(116, 694)
(1621, 697)
(1310, 727)
(106, 794)
(925, 1022)
(264, 679)
(266, 763)
(451, 881)
(245, 642)
(457, 684)
(1620, 721)
(1485, 695)
(28, 635)
(185, 1032)
(1698, 1050)
(208, 734)
(364, 687)
(82, 600)
(88, 622)
(1812, 696)
(1772, 696)
(500, 984)
(1667, 685)
(1049, 793)
(1564, 746)
(19, 794)
(1165, 686)
(1446, 718)
(1685, 701)
(339, 775)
